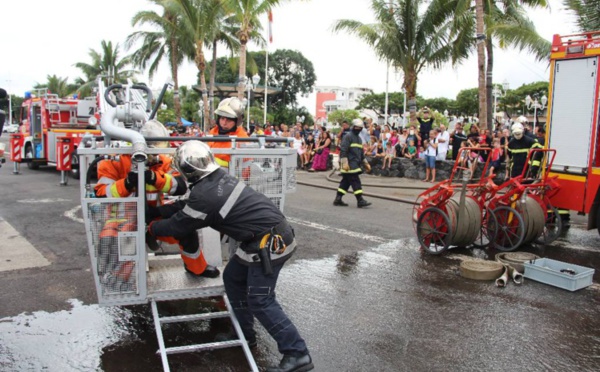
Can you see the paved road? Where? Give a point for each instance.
(359, 289)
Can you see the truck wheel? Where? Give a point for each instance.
(75, 167)
(29, 155)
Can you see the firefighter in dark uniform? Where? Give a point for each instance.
(218, 200)
(351, 159)
(518, 149)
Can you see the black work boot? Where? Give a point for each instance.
(339, 202)
(293, 364)
(361, 203)
(209, 272)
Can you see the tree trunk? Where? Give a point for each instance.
(481, 64)
(489, 83)
(176, 101)
(201, 64)
(242, 73)
(213, 72)
(410, 84)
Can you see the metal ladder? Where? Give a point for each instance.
(165, 351)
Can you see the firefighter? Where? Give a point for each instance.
(518, 149)
(116, 179)
(218, 200)
(229, 119)
(351, 158)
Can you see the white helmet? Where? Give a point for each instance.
(231, 108)
(358, 123)
(154, 128)
(194, 161)
(517, 130)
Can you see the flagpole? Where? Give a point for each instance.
(266, 83)
(269, 40)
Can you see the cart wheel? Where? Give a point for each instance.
(488, 230)
(433, 230)
(552, 228)
(511, 229)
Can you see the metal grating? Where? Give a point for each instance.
(112, 231)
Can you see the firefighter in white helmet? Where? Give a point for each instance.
(220, 201)
(518, 150)
(116, 179)
(230, 114)
(352, 158)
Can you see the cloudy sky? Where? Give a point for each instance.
(46, 37)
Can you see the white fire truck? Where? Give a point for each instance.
(573, 123)
(50, 131)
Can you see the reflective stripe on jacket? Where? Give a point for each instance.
(352, 149)
(223, 159)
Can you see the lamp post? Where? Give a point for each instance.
(251, 85)
(536, 105)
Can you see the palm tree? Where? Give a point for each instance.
(198, 25)
(105, 64)
(480, 37)
(225, 34)
(587, 13)
(246, 15)
(505, 22)
(410, 40)
(156, 45)
(57, 85)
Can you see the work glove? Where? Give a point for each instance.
(150, 177)
(345, 165)
(151, 239)
(367, 165)
(131, 182)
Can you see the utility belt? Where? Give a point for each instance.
(275, 243)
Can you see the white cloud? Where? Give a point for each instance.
(47, 37)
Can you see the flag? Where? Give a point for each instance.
(270, 27)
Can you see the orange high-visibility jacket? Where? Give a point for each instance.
(223, 159)
(112, 175)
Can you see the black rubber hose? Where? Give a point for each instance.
(107, 92)
(148, 94)
(158, 101)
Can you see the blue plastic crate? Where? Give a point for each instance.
(559, 274)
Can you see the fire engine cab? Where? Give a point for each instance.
(573, 120)
(50, 131)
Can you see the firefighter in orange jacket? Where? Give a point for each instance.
(229, 115)
(117, 180)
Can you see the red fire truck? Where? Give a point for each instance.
(573, 120)
(51, 129)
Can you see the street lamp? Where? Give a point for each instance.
(536, 105)
(251, 85)
(497, 92)
(446, 113)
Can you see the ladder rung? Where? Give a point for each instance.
(193, 317)
(208, 346)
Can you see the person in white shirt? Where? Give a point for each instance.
(443, 140)
(431, 147)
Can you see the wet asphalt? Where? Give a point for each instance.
(367, 302)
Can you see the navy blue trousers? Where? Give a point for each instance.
(252, 295)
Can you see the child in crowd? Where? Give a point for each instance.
(473, 155)
(388, 155)
(421, 153)
(430, 155)
(410, 151)
(496, 155)
(463, 156)
(379, 152)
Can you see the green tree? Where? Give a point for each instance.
(339, 116)
(246, 15)
(293, 73)
(376, 102)
(163, 43)
(409, 39)
(199, 24)
(57, 85)
(586, 12)
(467, 102)
(106, 64)
(513, 103)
